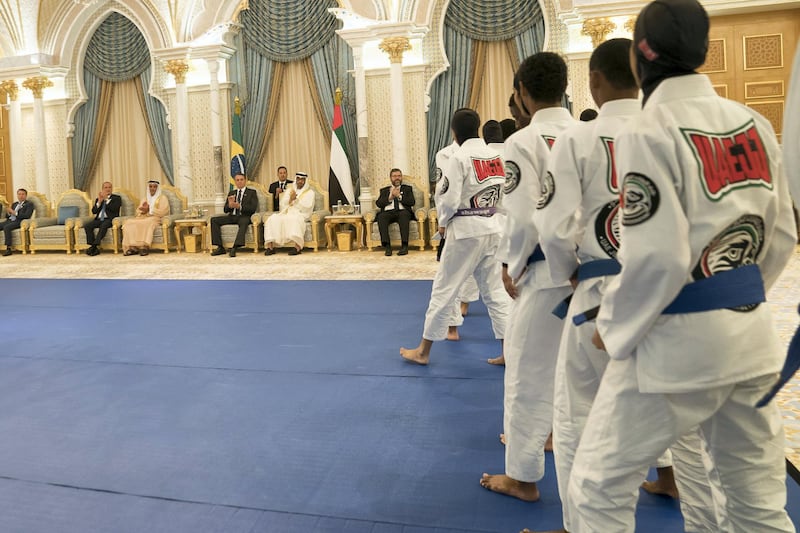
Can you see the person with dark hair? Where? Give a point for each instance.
(395, 203)
(533, 333)
(105, 209)
(492, 132)
(241, 204)
(15, 214)
(469, 191)
(276, 188)
(706, 227)
(521, 116)
(508, 126)
(587, 115)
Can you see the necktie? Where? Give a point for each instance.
(102, 215)
(239, 201)
(396, 204)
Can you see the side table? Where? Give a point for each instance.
(357, 221)
(189, 224)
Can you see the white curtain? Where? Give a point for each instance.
(497, 83)
(297, 141)
(127, 158)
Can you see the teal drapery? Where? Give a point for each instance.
(465, 21)
(288, 30)
(117, 52)
(258, 79)
(492, 20)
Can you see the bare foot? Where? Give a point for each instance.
(548, 445)
(503, 438)
(464, 308)
(415, 355)
(503, 484)
(499, 361)
(664, 485)
(452, 333)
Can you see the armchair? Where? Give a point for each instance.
(315, 226)
(416, 228)
(163, 236)
(45, 233)
(253, 238)
(112, 240)
(19, 237)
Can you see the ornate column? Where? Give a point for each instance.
(216, 134)
(630, 24)
(395, 46)
(597, 29)
(37, 85)
(17, 148)
(365, 197)
(178, 68)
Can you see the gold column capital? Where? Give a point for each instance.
(597, 29)
(37, 85)
(178, 68)
(395, 46)
(11, 88)
(630, 24)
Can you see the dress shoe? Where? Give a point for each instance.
(144, 251)
(403, 251)
(388, 251)
(232, 253)
(294, 251)
(130, 252)
(269, 251)
(7, 252)
(219, 250)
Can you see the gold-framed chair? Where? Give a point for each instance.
(433, 227)
(19, 237)
(253, 238)
(163, 236)
(112, 240)
(315, 226)
(416, 228)
(55, 232)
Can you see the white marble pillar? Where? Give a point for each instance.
(178, 68)
(37, 85)
(216, 135)
(395, 46)
(16, 147)
(365, 197)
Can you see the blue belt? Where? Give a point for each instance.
(592, 269)
(537, 255)
(730, 288)
(790, 366)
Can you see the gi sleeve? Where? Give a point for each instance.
(450, 191)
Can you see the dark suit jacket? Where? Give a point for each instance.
(406, 195)
(275, 197)
(249, 202)
(112, 207)
(26, 211)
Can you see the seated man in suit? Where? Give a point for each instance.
(19, 211)
(395, 203)
(105, 209)
(242, 203)
(289, 226)
(277, 187)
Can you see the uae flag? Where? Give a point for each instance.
(237, 149)
(340, 183)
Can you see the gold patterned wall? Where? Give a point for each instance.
(749, 59)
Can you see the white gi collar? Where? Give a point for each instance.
(621, 108)
(551, 114)
(680, 87)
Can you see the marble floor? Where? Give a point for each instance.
(356, 265)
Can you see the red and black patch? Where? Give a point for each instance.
(731, 160)
(611, 172)
(549, 139)
(488, 168)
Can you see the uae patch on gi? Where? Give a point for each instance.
(445, 186)
(640, 199)
(547, 192)
(512, 177)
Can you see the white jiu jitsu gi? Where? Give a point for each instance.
(473, 179)
(290, 224)
(469, 290)
(702, 193)
(582, 214)
(532, 340)
(791, 132)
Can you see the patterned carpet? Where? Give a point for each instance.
(356, 265)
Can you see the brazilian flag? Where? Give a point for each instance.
(237, 149)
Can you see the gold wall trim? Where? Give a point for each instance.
(764, 89)
(716, 58)
(722, 89)
(763, 51)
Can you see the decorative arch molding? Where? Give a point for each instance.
(75, 89)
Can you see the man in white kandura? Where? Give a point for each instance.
(289, 226)
(137, 232)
